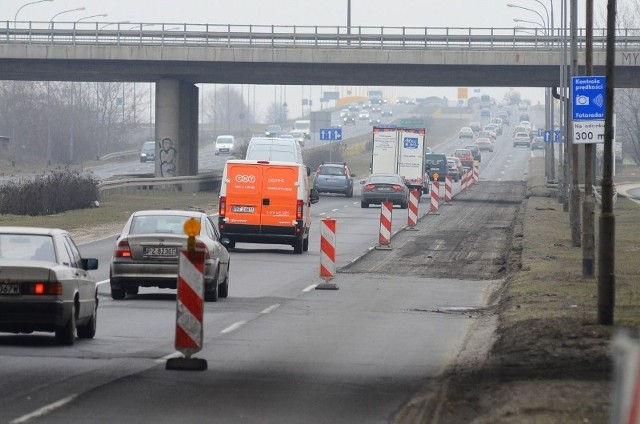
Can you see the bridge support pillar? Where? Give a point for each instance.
(176, 128)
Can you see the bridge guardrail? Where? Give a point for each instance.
(141, 185)
(271, 36)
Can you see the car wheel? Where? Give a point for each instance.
(305, 245)
(88, 331)
(212, 295)
(66, 335)
(223, 289)
(364, 204)
(298, 246)
(404, 205)
(132, 290)
(349, 192)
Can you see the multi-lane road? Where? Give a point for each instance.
(277, 349)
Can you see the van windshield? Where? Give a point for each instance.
(267, 153)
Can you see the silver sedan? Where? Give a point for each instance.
(148, 248)
(44, 284)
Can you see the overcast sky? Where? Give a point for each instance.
(410, 13)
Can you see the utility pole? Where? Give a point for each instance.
(588, 224)
(606, 254)
(574, 194)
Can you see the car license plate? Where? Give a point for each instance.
(384, 188)
(243, 209)
(9, 288)
(160, 251)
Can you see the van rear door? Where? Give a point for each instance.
(244, 194)
(280, 195)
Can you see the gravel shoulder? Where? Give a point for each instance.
(537, 354)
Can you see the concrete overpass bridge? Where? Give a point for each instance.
(178, 56)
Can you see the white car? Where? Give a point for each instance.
(224, 144)
(45, 284)
(466, 133)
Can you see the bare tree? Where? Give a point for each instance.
(226, 109)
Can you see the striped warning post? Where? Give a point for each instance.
(435, 196)
(465, 180)
(189, 310)
(384, 238)
(448, 189)
(476, 175)
(327, 248)
(412, 218)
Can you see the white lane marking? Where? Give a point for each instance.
(169, 356)
(233, 327)
(102, 282)
(270, 309)
(44, 410)
(322, 213)
(309, 288)
(334, 210)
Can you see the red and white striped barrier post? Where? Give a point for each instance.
(190, 303)
(384, 238)
(435, 196)
(448, 189)
(476, 175)
(465, 180)
(327, 253)
(412, 218)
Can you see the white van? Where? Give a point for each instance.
(224, 144)
(274, 149)
(301, 130)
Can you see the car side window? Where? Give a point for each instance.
(208, 228)
(65, 255)
(74, 253)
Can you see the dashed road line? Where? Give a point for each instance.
(233, 327)
(270, 309)
(44, 410)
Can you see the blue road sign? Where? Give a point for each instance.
(588, 98)
(331, 134)
(555, 134)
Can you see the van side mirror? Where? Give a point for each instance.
(315, 196)
(308, 171)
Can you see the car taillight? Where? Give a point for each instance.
(122, 250)
(299, 209)
(369, 187)
(201, 246)
(397, 187)
(222, 206)
(41, 289)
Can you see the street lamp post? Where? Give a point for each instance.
(77, 9)
(549, 115)
(15, 17)
(113, 23)
(102, 15)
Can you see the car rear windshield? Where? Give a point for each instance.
(27, 247)
(384, 179)
(331, 170)
(151, 224)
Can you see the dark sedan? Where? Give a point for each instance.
(380, 188)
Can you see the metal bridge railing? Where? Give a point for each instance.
(317, 37)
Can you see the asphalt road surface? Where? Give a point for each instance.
(278, 350)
